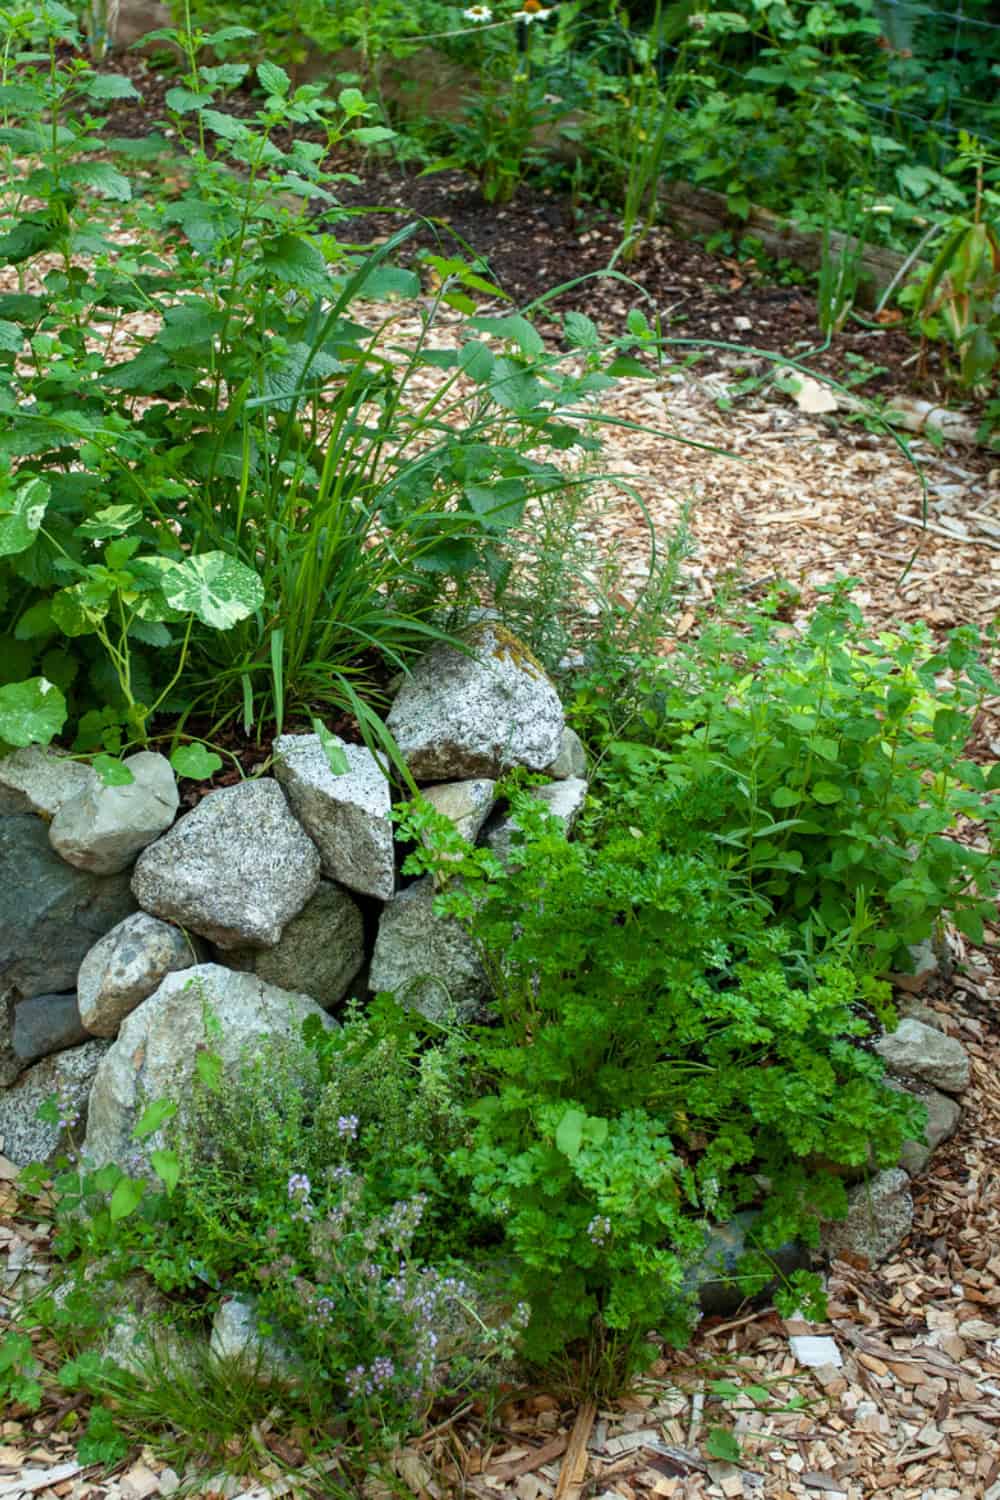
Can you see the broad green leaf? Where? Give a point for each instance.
(126, 1198)
(476, 360)
(373, 135)
(167, 1166)
(225, 125)
(627, 365)
(296, 262)
(110, 521)
(102, 178)
(581, 331)
(110, 86)
(195, 761)
(112, 771)
(182, 100)
(79, 609)
(273, 79)
(513, 327)
(21, 516)
(825, 792)
(333, 749)
(153, 1116)
(785, 796)
(569, 1132)
(31, 712)
(11, 337)
(721, 1444)
(215, 588)
(353, 102)
(208, 1066)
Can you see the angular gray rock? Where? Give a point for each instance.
(346, 816)
(45, 1024)
(463, 714)
(50, 914)
(427, 962)
(563, 799)
(319, 953)
(235, 870)
(103, 828)
(24, 1137)
(572, 757)
(922, 1052)
(237, 1339)
(154, 1056)
(943, 1115)
(879, 1217)
(126, 965)
(40, 779)
(466, 803)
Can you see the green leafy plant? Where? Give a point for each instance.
(836, 766)
(665, 1054)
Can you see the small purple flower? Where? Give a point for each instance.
(347, 1126)
(599, 1230)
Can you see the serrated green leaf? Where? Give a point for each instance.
(272, 79)
(372, 135)
(11, 337)
(721, 1444)
(110, 86)
(215, 588)
(513, 327)
(297, 263)
(182, 100)
(102, 178)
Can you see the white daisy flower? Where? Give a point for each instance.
(480, 13)
(536, 13)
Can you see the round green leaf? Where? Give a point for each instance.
(21, 515)
(195, 761)
(31, 712)
(825, 792)
(215, 588)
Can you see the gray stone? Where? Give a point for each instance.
(319, 953)
(24, 1137)
(155, 1054)
(466, 803)
(143, 1338)
(427, 962)
(563, 799)
(478, 712)
(103, 828)
(44, 1024)
(922, 1052)
(710, 1278)
(236, 869)
(347, 816)
(915, 1010)
(879, 1217)
(50, 914)
(126, 965)
(943, 1115)
(572, 757)
(40, 779)
(237, 1339)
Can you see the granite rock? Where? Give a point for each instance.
(477, 712)
(427, 962)
(346, 816)
(126, 965)
(155, 1054)
(319, 953)
(235, 870)
(103, 828)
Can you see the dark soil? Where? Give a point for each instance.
(537, 243)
